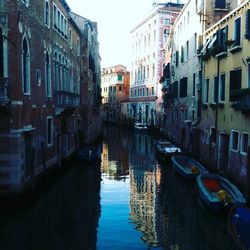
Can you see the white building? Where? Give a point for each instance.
(148, 58)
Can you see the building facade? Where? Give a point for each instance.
(185, 67)
(90, 79)
(148, 59)
(40, 89)
(115, 91)
(225, 130)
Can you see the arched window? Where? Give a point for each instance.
(48, 75)
(46, 14)
(1, 53)
(25, 67)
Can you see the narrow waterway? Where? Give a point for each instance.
(128, 201)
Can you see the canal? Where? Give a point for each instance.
(128, 201)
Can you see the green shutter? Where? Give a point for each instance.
(119, 77)
(247, 35)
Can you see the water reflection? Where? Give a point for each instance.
(164, 208)
(64, 216)
(144, 205)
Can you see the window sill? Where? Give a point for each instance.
(235, 48)
(222, 54)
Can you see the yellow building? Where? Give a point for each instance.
(225, 125)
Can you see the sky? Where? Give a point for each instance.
(115, 20)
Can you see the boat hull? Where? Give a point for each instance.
(186, 166)
(217, 192)
(239, 225)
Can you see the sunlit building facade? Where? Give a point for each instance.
(148, 58)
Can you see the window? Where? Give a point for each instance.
(147, 91)
(25, 67)
(175, 89)
(248, 75)
(1, 54)
(46, 14)
(182, 54)
(235, 140)
(177, 58)
(215, 96)
(183, 87)
(119, 77)
(78, 46)
(244, 143)
(49, 131)
(55, 16)
(220, 4)
(194, 83)
(195, 43)
(222, 39)
(247, 34)
(70, 39)
(187, 50)
(165, 36)
(120, 88)
(38, 77)
(48, 75)
(153, 91)
(237, 31)
(166, 21)
(206, 91)
(235, 82)
(222, 88)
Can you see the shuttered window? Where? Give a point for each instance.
(247, 34)
(235, 82)
(237, 31)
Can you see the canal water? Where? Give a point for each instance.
(128, 201)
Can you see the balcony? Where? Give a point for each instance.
(4, 91)
(241, 100)
(67, 99)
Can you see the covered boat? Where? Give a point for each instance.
(165, 149)
(217, 192)
(186, 166)
(239, 225)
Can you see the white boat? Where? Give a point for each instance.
(140, 126)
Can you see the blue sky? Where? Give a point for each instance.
(115, 20)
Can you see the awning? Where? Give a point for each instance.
(205, 46)
(212, 42)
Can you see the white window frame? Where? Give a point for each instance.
(231, 140)
(241, 143)
(47, 22)
(52, 131)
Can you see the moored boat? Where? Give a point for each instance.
(217, 192)
(165, 149)
(239, 225)
(186, 166)
(140, 126)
